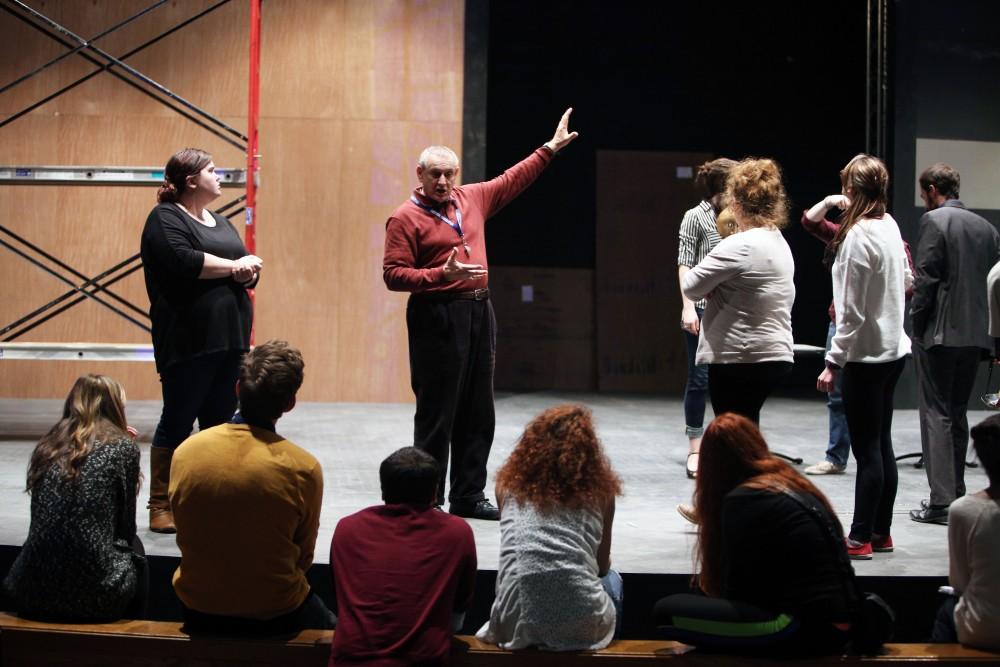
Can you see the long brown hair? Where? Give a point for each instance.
(559, 462)
(868, 181)
(94, 409)
(733, 453)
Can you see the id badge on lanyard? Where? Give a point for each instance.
(457, 226)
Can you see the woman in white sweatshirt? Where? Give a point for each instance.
(746, 332)
(870, 278)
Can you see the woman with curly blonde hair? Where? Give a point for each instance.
(555, 586)
(746, 333)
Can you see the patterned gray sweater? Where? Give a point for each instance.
(77, 562)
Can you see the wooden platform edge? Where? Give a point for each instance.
(140, 642)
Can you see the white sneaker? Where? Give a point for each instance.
(825, 468)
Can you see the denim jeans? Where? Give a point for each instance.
(944, 631)
(839, 447)
(696, 388)
(612, 583)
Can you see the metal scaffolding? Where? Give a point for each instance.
(97, 288)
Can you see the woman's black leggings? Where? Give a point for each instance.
(868, 393)
(743, 388)
(203, 388)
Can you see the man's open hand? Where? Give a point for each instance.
(563, 136)
(456, 270)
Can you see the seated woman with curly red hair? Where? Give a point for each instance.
(555, 586)
(773, 562)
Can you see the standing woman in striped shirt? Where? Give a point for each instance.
(698, 235)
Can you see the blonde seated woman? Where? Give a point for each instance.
(555, 587)
(82, 560)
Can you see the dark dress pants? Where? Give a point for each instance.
(203, 388)
(945, 376)
(311, 614)
(868, 394)
(452, 355)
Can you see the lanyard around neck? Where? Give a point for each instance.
(457, 226)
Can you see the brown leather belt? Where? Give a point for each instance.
(481, 294)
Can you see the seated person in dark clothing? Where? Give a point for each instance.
(771, 552)
(246, 503)
(404, 571)
(82, 560)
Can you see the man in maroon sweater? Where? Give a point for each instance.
(404, 572)
(435, 248)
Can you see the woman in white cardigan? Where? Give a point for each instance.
(746, 332)
(870, 277)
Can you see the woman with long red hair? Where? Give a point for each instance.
(771, 552)
(555, 586)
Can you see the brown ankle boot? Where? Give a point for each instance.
(161, 519)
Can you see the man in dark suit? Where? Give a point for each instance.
(955, 251)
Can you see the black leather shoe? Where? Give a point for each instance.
(483, 510)
(930, 514)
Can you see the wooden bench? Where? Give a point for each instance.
(162, 644)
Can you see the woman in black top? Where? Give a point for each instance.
(772, 555)
(197, 275)
(82, 560)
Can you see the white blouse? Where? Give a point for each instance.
(870, 277)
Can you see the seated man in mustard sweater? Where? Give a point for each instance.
(246, 503)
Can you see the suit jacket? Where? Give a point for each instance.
(955, 251)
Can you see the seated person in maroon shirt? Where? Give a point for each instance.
(404, 571)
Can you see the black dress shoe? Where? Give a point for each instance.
(930, 514)
(483, 510)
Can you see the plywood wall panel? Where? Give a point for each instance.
(351, 92)
(640, 347)
(405, 61)
(546, 342)
(306, 81)
(141, 141)
(53, 379)
(206, 62)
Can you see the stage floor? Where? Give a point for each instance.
(643, 436)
